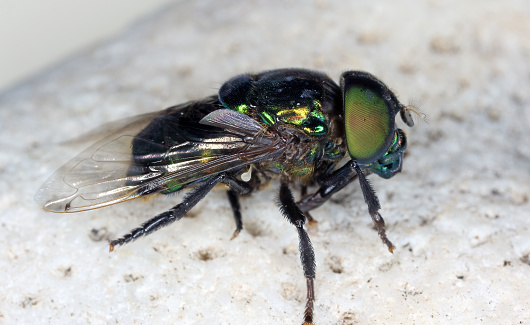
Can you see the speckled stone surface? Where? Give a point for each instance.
(458, 213)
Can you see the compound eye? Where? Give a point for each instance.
(369, 119)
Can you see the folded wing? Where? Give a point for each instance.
(158, 152)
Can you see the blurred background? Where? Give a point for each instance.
(35, 35)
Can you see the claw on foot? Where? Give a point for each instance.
(236, 233)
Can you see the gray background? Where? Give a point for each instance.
(35, 35)
(457, 213)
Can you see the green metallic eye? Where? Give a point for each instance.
(368, 117)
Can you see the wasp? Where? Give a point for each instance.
(293, 125)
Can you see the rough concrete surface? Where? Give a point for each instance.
(458, 213)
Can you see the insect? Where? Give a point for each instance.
(294, 125)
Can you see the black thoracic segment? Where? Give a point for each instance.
(329, 185)
(178, 211)
(373, 205)
(295, 216)
(236, 208)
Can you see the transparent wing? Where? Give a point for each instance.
(158, 152)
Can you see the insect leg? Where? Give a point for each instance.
(236, 208)
(373, 205)
(174, 214)
(338, 180)
(329, 185)
(237, 188)
(295, 216)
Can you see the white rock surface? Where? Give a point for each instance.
(458, 213)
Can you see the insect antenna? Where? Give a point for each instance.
(414, 106)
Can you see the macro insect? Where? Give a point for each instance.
(294, 125)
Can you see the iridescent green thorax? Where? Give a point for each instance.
(297, 100)
(241, 108)
(307, 116)
(279, 97)
(305, 167)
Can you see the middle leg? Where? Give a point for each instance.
(296, 217)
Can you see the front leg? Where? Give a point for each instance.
(329, 185)
(334, 182)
